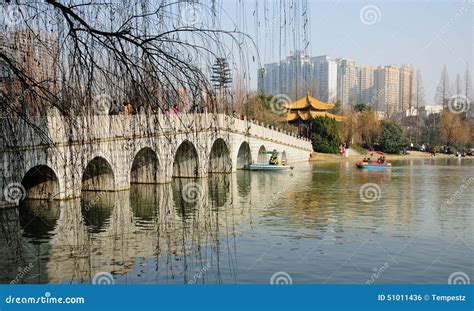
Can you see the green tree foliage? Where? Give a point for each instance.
(391, 138)
(337, 108)
(362, 107)
(325, 133)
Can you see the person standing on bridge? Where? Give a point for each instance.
(128, 109)
(175, 110)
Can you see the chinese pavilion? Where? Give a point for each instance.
(304, 110)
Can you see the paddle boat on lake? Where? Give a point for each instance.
(272, 165)
(269, 167)
(380, 163)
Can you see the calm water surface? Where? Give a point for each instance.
(413, 224)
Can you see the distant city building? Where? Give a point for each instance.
(36, 55)
(407, 88)
(325, 78)
(297, 75)
(387, 89)
(366, 84)
(425, 111)
(348, 88)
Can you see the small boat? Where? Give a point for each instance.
(367, 163)
(269, 167)
(374, 165)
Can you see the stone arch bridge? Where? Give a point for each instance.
(111, 152)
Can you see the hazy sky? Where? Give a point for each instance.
(424, 34)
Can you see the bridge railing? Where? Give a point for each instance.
(57, 130)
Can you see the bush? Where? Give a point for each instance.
(391, 138)
(325, 135)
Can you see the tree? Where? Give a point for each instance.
(420, 90)
(337, 108)
(391, 138)
(369, 127)
(350, 126)
(138, 51)
(443, 91)
(362, 107)
(452, 130)
(325, 135)
(428, 131)
(458, 85)
(467, 84)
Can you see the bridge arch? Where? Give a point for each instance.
(98, 176)
(244, 156)
(262, 157)
(144, 169)
(40, 183)
(186, 160)
(219, 157)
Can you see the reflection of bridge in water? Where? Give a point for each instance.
(149, 227)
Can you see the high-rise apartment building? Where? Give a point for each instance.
(366, 84)
(34, 53)
(407, 88)
(325, 78)
(347, 82)
(387, 89)
(292, 76)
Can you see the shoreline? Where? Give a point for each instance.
(326, 157)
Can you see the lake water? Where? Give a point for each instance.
(320, 223)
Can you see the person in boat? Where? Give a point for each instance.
(273, 158)
(365, 159)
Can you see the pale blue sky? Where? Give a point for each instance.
(425, 34)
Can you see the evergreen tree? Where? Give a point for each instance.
(325, 135)
(391, 138)
(458, 85)
(468, 84)
(420, 90)
(443, 91)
